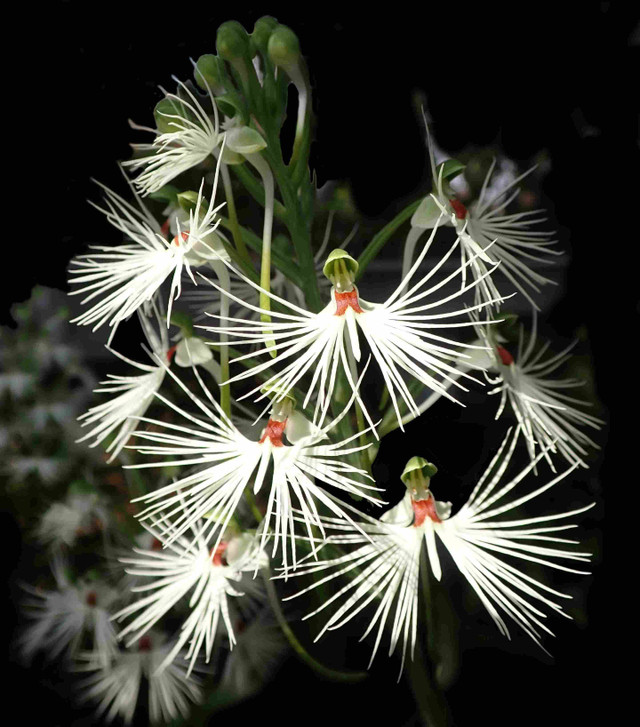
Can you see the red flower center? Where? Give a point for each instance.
(423, 509)
(217, 555)
(274, 431)
(171, 352)
(144, 643)
(505, 356)
(459, 209)
(92, 598)
(347, 300)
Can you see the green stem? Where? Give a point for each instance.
(378, 241)
(431, 704)
(298, 648)
(253, 505)
(221, 271)
(265, 267)
(233, 215)
(253, 186)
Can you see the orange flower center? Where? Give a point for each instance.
(274, 431)
(423, 509)
(183, 235)
(347, 300)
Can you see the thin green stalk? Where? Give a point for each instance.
(379, 241)
(298, 648)
(265, 266)
(221, 271)
(233, 215)
(255, 189)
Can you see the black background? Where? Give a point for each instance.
(532, 80)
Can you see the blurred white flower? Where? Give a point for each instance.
(61, 617)
(78, 515)
(116, 687)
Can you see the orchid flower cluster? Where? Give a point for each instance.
(249, 430)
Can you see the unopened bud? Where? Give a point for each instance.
(209, 73)
(262, 32)
(232, 41)
(284, 47)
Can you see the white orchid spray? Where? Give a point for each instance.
(402, 333)
(124, 277)
(250, 444)
(488, 233)
(226, 464)
(189, 565)
(186, 135)
(133, 394)
(384, 566)
(551, 420)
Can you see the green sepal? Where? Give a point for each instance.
(167, 114)
(184, 323)
(209, 73)
(427, 214)
(276, 390)
(81, 487)
(336, 255)
(230, 106)
(245, 140)
(188, 201)
(426, 469)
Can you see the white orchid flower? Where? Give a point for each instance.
(384, 564)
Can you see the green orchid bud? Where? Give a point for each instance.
(244, 140)
(417, 477)
(262, 32)
(232, 41)
(209, 73)
(341, 269)
(284, 47)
